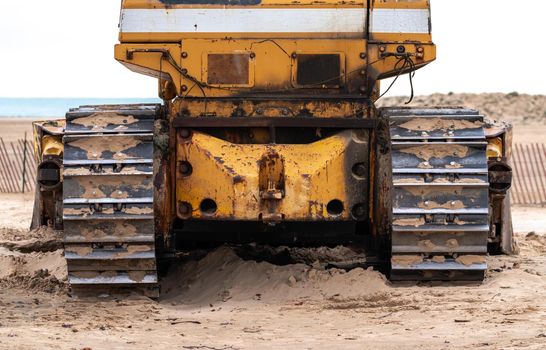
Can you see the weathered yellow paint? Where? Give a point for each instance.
(494, 148)
(52, 146)
(365, 61)
(228, 173)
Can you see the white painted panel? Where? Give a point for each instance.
(400, 21)
(243, 20)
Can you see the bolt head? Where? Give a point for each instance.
(185, 133)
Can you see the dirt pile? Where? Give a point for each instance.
(32, 260)
(513, 107)
(222, 275)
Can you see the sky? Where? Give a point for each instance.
(64, 48)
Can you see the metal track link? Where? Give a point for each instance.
(108, 200)
(440, 194)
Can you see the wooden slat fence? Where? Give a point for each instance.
(18, 170)
(17, 166)
(529, 167)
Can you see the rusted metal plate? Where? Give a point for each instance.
(108, 197)
(115, 187)
(453, 222)
(108, 169)
(277, 122)
(446, 157)
(116, 265)
(446, 242)
(109, 149)
(126, 252)
(108, 211)
(109, 231)
(107, 277)
(437, 127)
(440, 200)
(426, 198)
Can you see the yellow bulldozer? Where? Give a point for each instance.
(268, 132)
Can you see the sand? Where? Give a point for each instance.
(224, 302)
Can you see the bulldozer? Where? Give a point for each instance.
(269, 132)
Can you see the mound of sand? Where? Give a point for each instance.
(515, 108)
(45, 272)
(222, 275)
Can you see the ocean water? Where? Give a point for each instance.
(56, 107)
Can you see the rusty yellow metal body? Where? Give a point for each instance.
(268, 132)
(247, 60)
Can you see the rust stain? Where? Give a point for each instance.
(99, 121)
(117, 145)
(468, 260)
(409, 222)
(433, 124)
(437, 151)
(406, 260)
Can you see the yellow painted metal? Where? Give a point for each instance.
(47, 138)
(495, 147)
(52, 146)
(228, 173)
(182, 57)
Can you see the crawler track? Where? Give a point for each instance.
(108, 199)
(440, 194)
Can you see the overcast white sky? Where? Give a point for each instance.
(64, 48)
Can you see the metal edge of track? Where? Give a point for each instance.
(108, 200)
(440, 202)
